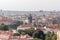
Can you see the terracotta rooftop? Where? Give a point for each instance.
(53, 25)
(5, 34)
(49, 19)
(9, 36)
(5, 19)
(27, 25)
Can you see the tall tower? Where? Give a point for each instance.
(30, 18)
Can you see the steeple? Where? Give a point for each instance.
(30, 18)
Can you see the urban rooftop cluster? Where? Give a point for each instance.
(43, 25)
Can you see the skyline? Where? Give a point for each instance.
(30, 5)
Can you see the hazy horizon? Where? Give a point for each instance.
(30, 5)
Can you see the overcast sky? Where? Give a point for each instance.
(30, 5)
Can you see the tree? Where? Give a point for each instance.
(19, 22)
(16, 24)
(16, 34)
(39, 34)
(48, 35)
(20, 31)
(4, 27)
(54, 37)
(36, 39)
(30, 31)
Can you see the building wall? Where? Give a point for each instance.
(58, 35)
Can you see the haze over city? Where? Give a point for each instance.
(30, 5)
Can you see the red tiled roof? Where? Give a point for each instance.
(19, 37)
(53, 25)
(23, 39)
(40, 28)
(14, 37)
(5, 34)
(9, 35)
(27, 25)
(5, 19)
(27, 36)
(49, 19)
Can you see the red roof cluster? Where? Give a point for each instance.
(5, 19)
(27, 25)
(49, 19)
(9, 36)
(53, 25)
(40, 28)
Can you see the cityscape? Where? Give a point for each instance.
(29, 25)
(29, 19)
